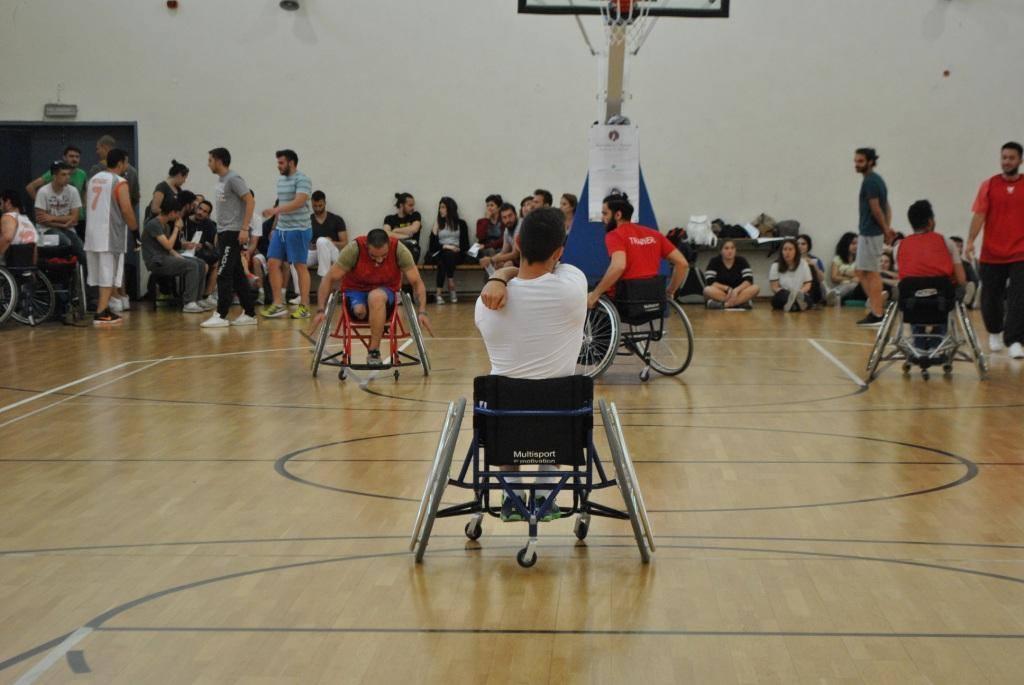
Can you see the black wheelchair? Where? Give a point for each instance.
(925, 325)
(640, 321)
(30, 291)
(545, 423)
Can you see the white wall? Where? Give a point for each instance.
(759, 112)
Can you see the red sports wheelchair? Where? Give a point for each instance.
(348, 329)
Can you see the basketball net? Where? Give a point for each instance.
(628, 22)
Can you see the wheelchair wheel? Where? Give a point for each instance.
(980, 361)
(626, 478)
(325, 332)
(600, 340)
(8, 294)
(416, 331)
(526, 558)
(672, 352)
(881, 340)
(438, 479)
(36, 298)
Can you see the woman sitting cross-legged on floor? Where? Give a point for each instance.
(845, 284)
(730, 280)
(790, 278)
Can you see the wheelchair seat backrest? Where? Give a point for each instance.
(926, 300)
(518, 439)
(20, 256)
(640, 300)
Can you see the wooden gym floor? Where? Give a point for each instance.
(189, 506)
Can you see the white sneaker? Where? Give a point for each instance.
(193, 308)
(1016, 351)
(115, 305)
(244, 320)
(210, 300)
(126, 303)
(454, 297)
(438, 299)
(995, 342)
(206, 306)
(215, 322)
(296, 300)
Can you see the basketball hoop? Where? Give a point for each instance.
(628, 22)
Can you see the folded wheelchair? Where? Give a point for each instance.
(348, 329)
(640, 321)
(519, 423)
(925, 325)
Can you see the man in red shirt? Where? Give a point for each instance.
(636, 251)
(999, 209)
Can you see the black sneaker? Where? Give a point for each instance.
(870, 320)
(554, 513)
(373, 359)
(509, 512)
(106, 318)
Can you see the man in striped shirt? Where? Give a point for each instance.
(289, 242)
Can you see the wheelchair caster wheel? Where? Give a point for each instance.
(906, 368)
(947, 369)
(396, 374)
(474, 528)
(581, 529)
(924, 374)
(342, 375)
(524, 561)
(645, 375)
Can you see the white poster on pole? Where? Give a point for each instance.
(614, 166)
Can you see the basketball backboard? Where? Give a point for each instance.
(657, 8)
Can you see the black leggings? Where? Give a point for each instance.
(1002, 303)
(446, 263)
(780, 298)
(231, 277)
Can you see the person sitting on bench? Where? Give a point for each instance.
(370, 269)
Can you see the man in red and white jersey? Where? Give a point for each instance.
(999, 209)
(16, 229)
(108, 218)
(636, 251)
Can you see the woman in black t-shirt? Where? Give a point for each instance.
(405, 224)
(176, 177)
(730, 280)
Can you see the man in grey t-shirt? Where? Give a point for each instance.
(875, 232)
(235, 205)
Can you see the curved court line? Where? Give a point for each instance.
(971, 470)
(97, 622)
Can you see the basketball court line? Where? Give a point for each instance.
(51, 391)
(842, 367)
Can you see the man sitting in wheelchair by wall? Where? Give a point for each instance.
(531, 317)
(17, 233)
(927, 261)
(370, 269)
(636, 253)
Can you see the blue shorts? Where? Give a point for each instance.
(290, 246)
(358, 298)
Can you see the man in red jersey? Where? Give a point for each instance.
(370, 269)
(636, 251)
(999, 209)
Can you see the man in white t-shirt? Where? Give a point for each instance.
(57, 208)
(532, 317)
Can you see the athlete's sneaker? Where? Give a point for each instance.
(454, 298)
(106, 318)
(1017, 351)
(373, 359)
(243, 320)
(995, 342)
(301, 312)
(296, 300)
(126, 303)
(114, 305)
(274, 311)
(715, 304)
(555, 512)
(832, 297)
(870, 321)
(509, 512)
(206, 306)
(209, 301)
(439, 299)
(193, 308)
(215, 321)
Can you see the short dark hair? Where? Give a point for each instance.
(71, 148)
(507, 207)
(868, 153)
(1014, 146)
(619, 202)
(810, 243)
(919, 214)
(288, 154)
(318, 196)
(115, 157)
(494, 199)
(170, 204)
(843, 246)
(12, 197)
(378, 237)
(543, 232)
(58, 166)
(222, 155)
(186, 197)
(177, 169)
(545, 194)
(209, 205)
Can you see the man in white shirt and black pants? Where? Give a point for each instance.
(532, 317)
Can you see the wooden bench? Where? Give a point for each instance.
(462, 285)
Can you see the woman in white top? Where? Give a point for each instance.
(449, 241)
(790, 279)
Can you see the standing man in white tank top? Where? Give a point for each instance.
(108, 217)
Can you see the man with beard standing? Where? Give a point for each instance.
(999, 209)
(875, 232)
